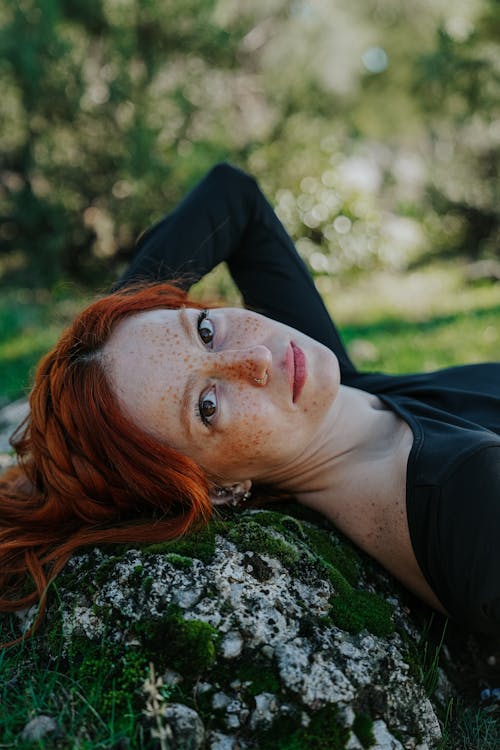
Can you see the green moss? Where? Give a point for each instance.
(199, 545)
(137, 575)
(308, 549)
(179, 561)
(188, 646)
(334, 551)
(253, 536)
(263, 678)
(112, 675)
(357, 610)
(363, 729)
(256, 669)
(323, 733)
(279, 521)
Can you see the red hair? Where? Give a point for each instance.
(88, 475)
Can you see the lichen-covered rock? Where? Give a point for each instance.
(266, 626)
(38, 727)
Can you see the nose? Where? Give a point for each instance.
(252, 364)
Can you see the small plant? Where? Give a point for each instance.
(429, 658)
(157, 696)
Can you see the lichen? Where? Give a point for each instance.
(300, 547)
(295, 598)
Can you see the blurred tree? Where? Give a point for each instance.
(458, 89)
(99, 104)
(345, 110)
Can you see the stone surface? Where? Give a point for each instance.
(10, 417)
(188, 732)
(38, 728)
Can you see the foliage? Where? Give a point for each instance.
(112, 110)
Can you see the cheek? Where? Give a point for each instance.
(252, 431)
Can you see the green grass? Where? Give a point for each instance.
(30, 323)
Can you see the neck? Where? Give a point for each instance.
(357, 442)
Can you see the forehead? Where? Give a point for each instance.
(140, 341)
(146, 359)
(149, 320)
(144, 332)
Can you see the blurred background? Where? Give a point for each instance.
(372, 125)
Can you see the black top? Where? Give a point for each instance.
(453, 478)
(453, 482)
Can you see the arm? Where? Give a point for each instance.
(227, 218)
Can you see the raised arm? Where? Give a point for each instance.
(227, 218)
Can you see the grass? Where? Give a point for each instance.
(30, 323)
(397, 323)
(470, 728)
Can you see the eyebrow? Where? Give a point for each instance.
(186, 399)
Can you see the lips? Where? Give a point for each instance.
(296, 368)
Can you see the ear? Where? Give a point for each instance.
(231, 494)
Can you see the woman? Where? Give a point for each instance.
(151, 410)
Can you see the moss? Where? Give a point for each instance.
(112, 675)
(255, 669)
(188, 646)
(363, 729)
(312, 552)
(137, 575)
(334, 551)
(323, 733)
(199, 545)
(357, 610)
(179, 561)
(280, 522)
(262, 678)
(251, 535)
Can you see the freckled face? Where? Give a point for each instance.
(237, 392)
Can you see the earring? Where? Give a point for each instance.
(233, 495)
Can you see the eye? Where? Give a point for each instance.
(205, 328)
(207, 407)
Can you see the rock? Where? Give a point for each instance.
(353, 743)
(188, 732)
(219, 741)
(232, 645)
(383, 738)
(315, 646)
(11, 417)
(38, 727)
(266, 709)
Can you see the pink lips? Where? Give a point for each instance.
(296, 369)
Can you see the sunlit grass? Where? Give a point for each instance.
(30, 323)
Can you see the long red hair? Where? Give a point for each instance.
(87, 475)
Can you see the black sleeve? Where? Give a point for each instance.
(227, 218)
